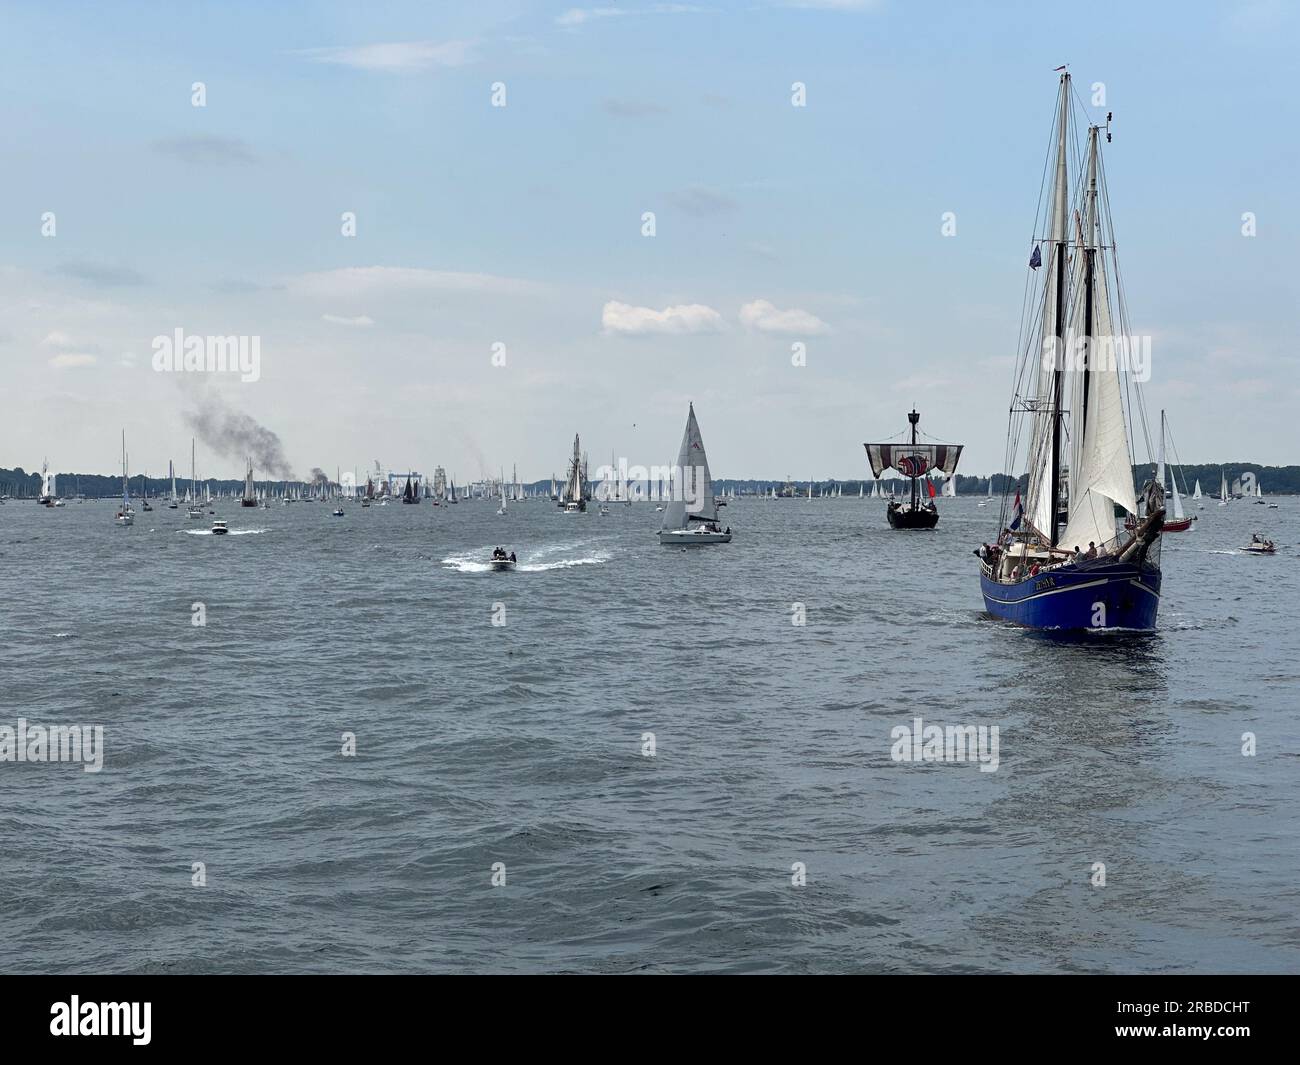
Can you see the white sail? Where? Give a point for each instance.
(1196, 492)
(1101, 473)
(1041, 499)
(1160, 455)
(1223, 485)
(697, 483)
(1178, 500)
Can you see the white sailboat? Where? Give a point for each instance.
(194, 511)
(1177, 520)
(502, 509)
(1196, 496)
(125, 515)
(1223, 488)
(693, 520)
(988, 498)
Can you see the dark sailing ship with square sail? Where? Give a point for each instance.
(915, 461)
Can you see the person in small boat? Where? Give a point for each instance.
(1254, 538)
(512, 557)
(1078, 555)
(1092, 549)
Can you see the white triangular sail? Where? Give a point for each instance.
(1196, 492)
(1041, 495)
(692, 497)
(1101, 473)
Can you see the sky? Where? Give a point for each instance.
(514, 234)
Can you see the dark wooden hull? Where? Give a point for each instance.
(903, 517)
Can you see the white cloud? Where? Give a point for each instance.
(360, 319)
(349, 280)
(576, 16)
(58, 339)
(766, 318)
(69, 361)
(397, 55)
(626, 320)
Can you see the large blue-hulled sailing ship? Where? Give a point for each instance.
(1061, 561)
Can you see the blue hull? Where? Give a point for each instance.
(1100, 595)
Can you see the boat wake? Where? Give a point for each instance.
(231, 532)
(536, 562)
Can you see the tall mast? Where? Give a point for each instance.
(1090, 242)
(914, 417)
(1059, 208)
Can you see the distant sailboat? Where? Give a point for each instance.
(1223, 488)
(914, 461)
(989, 498)
(125, 515)
(192, 495)
(502, 508)
(249, 498)
(1178, 521)
(1196, 495)
(691, 516)
(46, 498)
(574, 497)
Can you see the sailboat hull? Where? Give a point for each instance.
(692, 537)
(902, 516)
(1069, 598)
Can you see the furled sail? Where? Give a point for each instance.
(913, 460)
(696, 488)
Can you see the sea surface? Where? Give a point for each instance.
(525, 743)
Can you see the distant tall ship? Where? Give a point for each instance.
(46, 498)
(915, 461)
(249, 498)
(1085, 575)
(691, 516)
(574, 497)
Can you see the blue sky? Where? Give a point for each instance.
(521, 224)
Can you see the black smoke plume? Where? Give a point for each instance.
(234, 435)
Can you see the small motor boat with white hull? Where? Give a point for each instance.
(502, 561)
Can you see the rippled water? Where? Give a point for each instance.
(521, 743)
